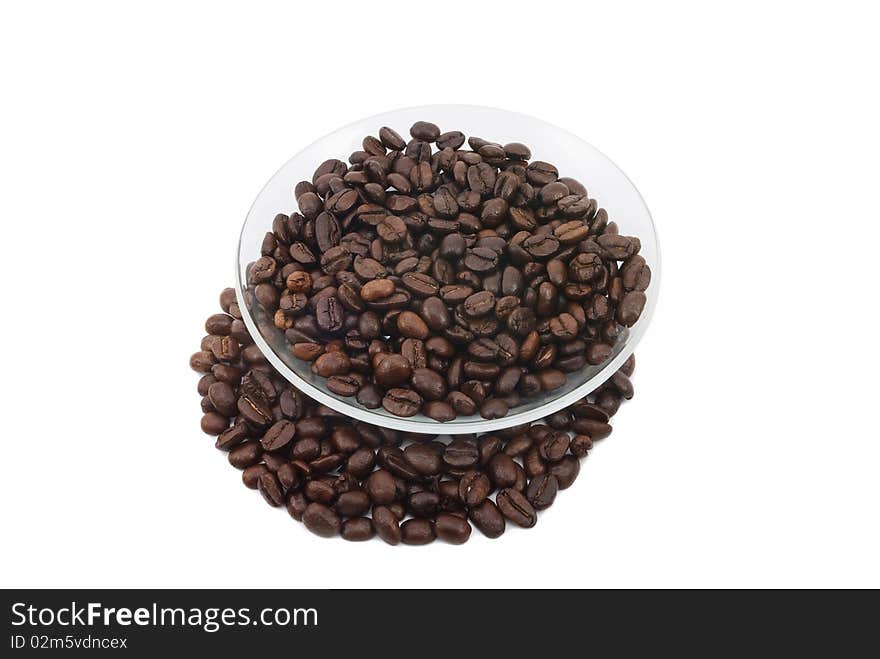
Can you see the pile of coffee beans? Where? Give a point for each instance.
(344, 477)
(422, 276)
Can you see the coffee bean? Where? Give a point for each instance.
(631, 307)
(417, 531)
(424, 459)
(376, 289)
(392, 370)
(270, 488)
(357, 529)
(409, 324)
(402, 402)
(488, 519)
(452, 528)
(278, 436)
(515, 507)
(353, 504)
(481, 259)
(420, 284)
(474, 487)
(321, 520)
(541, 491)
(380, 487)
(461, 454)
(502, 470)
(429, 384)
(386, 525)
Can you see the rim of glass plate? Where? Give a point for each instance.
(454, 427)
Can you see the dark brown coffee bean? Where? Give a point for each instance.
(425, 131)
(554, 447)
(391, 139)
(541, 245)
(424, 459)
(452, 528)
(353, 504)
(417, 532)
(357, 529)
(488, 519)
(474, 487)
(392, 370)
(429, 384)
(566, 471)
(386, 525)
(380, 487)
(481, 259)
(321, 520)
(494, 408)
(332, 363)
(278, 436)
(409, 324)
(581, 445)
(631, 307)
(271, 489)
(515, 507)
(461, 454)
(502, 470)
(461, 403)
(402, 402)
(420, 284)
(377, 289)
(439, 410)
(541, 491)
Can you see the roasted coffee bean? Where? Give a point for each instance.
(488, 519)
(439, 410)
(392, 370)
(631, 307)
(402, 402)
(424, 504)
(452, 528)
(461, 403)
(502, 470)
(353, 504)
(494, 408)
(377, 289)
(332, 363)
(595, 429)
(429, 384)
(380, 487)
(321, 520)
(417, 531)
(424, 459)
(541, 491)
(461, 454)
(515, 507)
(409, 324)
(479, 304)
(474, 487)
(566, 471)
(386, 525)
(420, 284)
(481, 259)
(278, 436)
(554, 447)
(357, 529)
(329, 314)
(270, 488)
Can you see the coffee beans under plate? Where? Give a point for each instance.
(348, 478)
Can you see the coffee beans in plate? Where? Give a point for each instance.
(439, 274)
(342, 477)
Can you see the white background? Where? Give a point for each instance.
(134, 138)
